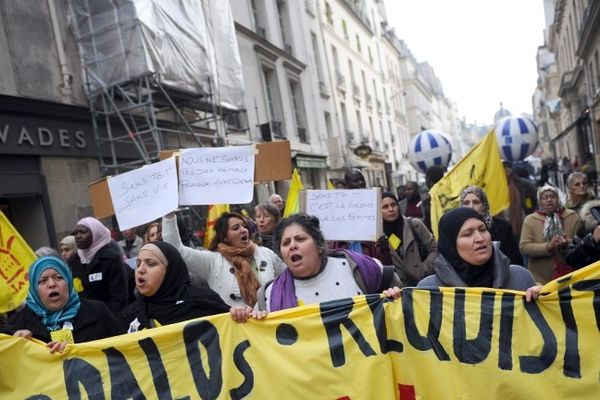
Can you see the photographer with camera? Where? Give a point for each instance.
(585, 248)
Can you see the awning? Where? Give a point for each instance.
(357, 162)
(584, 116)
(315, 162)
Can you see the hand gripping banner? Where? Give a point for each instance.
(447, 343)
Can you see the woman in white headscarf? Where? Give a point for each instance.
(98, 269)
(547, 233)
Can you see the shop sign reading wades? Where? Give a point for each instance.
(42, 136)
(54, 136)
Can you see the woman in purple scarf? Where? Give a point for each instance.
(314, 276)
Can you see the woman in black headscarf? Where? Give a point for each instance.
(164, 294)
(467, 258)
(412, 246)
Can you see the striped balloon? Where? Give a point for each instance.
(517, 137)
(429, 148)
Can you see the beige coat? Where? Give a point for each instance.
(532, 243)
(406, 259)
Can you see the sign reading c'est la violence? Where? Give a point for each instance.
(347, 214)
(448, 343)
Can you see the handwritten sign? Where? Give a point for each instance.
(216, 175)
(352, 214)
(144, 194)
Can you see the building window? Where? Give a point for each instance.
(597, 72)
(358, 48)
(315, 46)
(286, 36)
(361, 133)
(328, 126)
(345, 29)
(273, 98)
(370, 56)
(328, 14)
(299, 110)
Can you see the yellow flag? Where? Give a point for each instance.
(15, 258)
(481, 166)
(214, 212)
(329, 185)
(292, 204)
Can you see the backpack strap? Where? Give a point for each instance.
(261, 296)
(422, 250)
(387, 274)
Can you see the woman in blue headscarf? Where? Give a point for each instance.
(54, 312)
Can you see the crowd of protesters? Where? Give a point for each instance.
(95, 287)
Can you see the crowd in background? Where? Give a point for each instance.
(94, 286)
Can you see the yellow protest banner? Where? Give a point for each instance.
(446, 343)
(481, 166)
(292, 203)
(15, 258)
(214, 212)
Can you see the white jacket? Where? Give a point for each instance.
(216, 270)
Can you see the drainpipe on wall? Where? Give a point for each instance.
(67, 78)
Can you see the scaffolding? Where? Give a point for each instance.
(155, 79)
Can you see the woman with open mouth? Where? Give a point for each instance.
(164, 294)
(233, 266)
(54, 313)
(467, 258)
(314, 275)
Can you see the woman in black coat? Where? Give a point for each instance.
(99, 272)
(474, 197)
(54, 312)
(164, 294)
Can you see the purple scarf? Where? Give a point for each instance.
(283, 292)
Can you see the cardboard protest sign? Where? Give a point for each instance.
(349, 214)
(144, 194)
(216, 175)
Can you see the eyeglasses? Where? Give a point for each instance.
(548, 197)
(580, 184)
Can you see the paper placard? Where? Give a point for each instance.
(216, 175)
(351, 214)
(144, 194)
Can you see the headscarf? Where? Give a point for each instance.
(246, 278)
(396, 227)
(477, 191)
(100, 238)
(176, 299)
(553, 222)
(448, 229)
(52, 320)
(68, 241)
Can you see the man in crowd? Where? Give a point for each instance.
(131, 243)
(411, 205)
(523, 198)
(278, 201)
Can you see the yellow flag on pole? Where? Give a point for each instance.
(214, 212)
(292, 203)
(15, 258)
(481, 166)
(329, 185)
